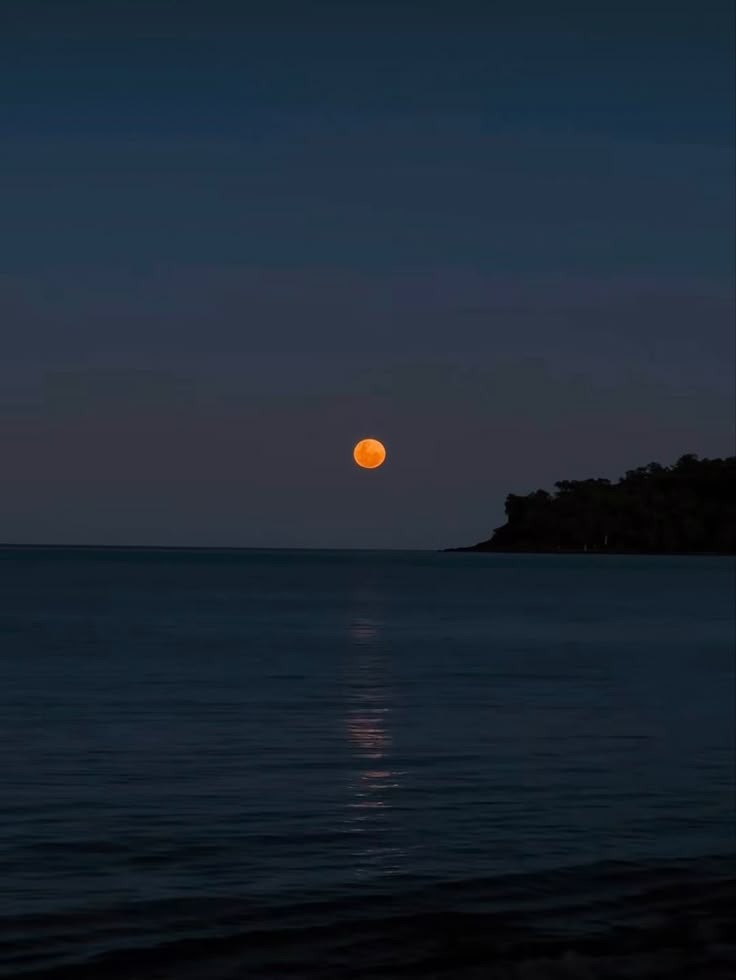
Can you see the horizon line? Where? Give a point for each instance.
(30, 546)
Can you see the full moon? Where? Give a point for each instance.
(369, 453)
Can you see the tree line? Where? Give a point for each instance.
(687, 508)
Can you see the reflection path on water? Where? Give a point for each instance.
(374, 779)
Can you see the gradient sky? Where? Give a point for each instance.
(499, 237)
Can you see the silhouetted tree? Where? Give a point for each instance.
(689, 507)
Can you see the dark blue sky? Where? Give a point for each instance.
(499, 237)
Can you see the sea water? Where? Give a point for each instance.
(253, 763)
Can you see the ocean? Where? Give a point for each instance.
(241, 764)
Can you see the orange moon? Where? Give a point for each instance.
(369, 453)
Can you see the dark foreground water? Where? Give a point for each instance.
(316, 765)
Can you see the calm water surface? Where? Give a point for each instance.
(217, 747)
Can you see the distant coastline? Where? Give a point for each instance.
(483, 548)
(685, 509)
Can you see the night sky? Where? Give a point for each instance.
(498, 237)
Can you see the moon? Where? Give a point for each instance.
(369, 454)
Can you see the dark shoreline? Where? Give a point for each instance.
(481, 550)
(683, 509)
